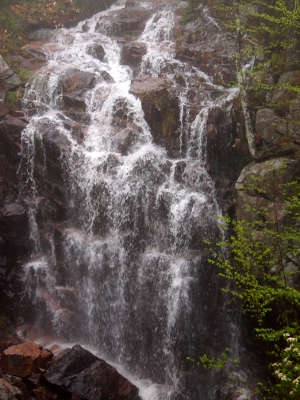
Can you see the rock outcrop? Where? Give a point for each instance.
(28, 370)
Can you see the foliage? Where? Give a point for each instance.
(264, 271)
(11, 99)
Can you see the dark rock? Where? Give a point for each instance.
(10, 135)
(85, 375)
(132, 53)
(14, 224)
(124, 140)
(74, 84)
(107, 78)
(51, 145)
(124, 21)
(97, 51)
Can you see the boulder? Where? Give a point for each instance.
(8, 79)
(161, 107)
(96, 50)
(124, 140)
(24, 359)
(74, 84)
(80, 372)
(124, 21)
(132, 53)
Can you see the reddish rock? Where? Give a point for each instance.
(24, 359)
(124, 21)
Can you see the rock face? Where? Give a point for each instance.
(83, 374)
(202, 44)
(205, 44)
(161, 108)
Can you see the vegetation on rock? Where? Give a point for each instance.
(264, 269)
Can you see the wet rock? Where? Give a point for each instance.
(132, 53)
(124, 21)
(106, 77)
(77, 129)
(161, 107)
(10, 135)
(8, 79)
(124, 140)
(206, 45)
(24, 359)
(14, 227)
(96, 50)
(8, 391)
(75, 83)
(53, 144)
(85, 375)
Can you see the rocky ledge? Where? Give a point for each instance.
(28, 371)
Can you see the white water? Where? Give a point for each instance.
(133, 240)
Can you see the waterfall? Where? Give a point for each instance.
(123, 268)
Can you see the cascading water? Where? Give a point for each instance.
(124, 270)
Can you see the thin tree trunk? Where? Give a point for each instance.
(242, 85)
